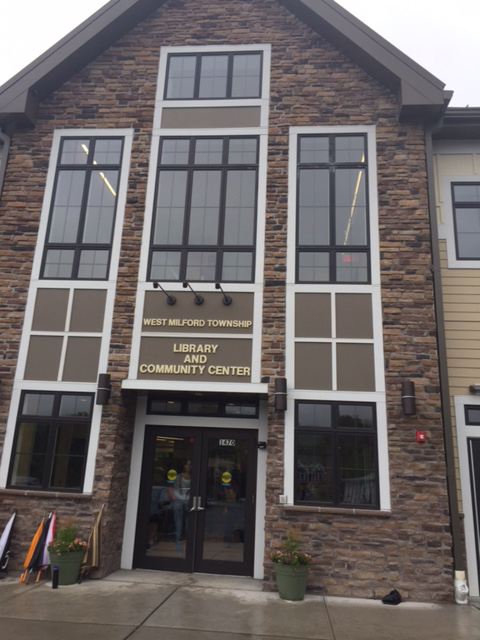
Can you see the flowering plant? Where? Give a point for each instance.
(290, 553)
(67, 540)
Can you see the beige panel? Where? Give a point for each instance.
(88, 310)
(43, 359)
(354, 315)
(355, 367)
(456, 164)
(210, 317)
(209, 360)
(81, 360)
(50, 312)
(210, 117)
(313, 366)
(313, 315)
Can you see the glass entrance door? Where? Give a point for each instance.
(197, 500)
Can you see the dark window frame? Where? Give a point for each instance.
(468, 421)
(462, 204)
(332, 248)
(54, 422)
(185, 398)
(335, 431)
(198, 63)
(89, 168)
(220, 248)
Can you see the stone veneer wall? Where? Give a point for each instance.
(311, 84)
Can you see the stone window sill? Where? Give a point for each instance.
(28, 493)
(295, 508)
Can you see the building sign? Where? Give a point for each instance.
(185, 316)
(226, 356)
(219, 360)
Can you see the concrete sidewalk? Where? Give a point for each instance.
(144, 605)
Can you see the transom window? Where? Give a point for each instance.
(466, 216)
(51, 441)
(336, 454)
(200, 404)
(82, 214)
(204, 222)
(332, 209)
(213, 76)
(472, 415)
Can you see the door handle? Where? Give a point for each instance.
(194, 504)
(199, 504)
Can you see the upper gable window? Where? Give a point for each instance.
(82, 213)
(466, 217)
(214, 76)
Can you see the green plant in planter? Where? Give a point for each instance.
(291, 567)
(67, 551)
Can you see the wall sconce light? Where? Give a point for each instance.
(475, 389)
(280, 394)
(104, 389)
(226, 299)
(408, 398)
(170, 299)
(198, 299)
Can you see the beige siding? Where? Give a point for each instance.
(460, 287)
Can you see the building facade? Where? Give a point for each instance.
(216, 277)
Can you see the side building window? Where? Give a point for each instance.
(51, 441)
(466, 218)
(332, 210)
(217, 76)
(82, 213)
(204, 223)
(336, 454)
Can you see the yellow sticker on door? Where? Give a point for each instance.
(226, 478)
(171, 475)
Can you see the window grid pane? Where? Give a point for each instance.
(332, 209)
(83, 209)
(200, 211)
(336, 454)
(50, 452)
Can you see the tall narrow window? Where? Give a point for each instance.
(51, 441)
(332, 209)
(205, 210)
(336, 454)
(82, 213)
(466, 216)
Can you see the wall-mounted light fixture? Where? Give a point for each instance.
(280, 394)
(198, 299)
(226, 299)
(104, 388)
(170, 299)
(408, 398)
(475, 388)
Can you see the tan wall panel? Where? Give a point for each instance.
(204, 364)
(210, 117)
(50, 312)
(81, 360)
(354, 315)
(212, 310)
(355, 367)
(313, 315)
(455, 164)
(88, 310)
(313, 366)
(43, 359)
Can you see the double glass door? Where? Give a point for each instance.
(197, 500)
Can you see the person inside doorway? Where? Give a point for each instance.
(180, 496)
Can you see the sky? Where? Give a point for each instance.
(440, 35)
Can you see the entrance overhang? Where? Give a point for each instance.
(260, 388)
